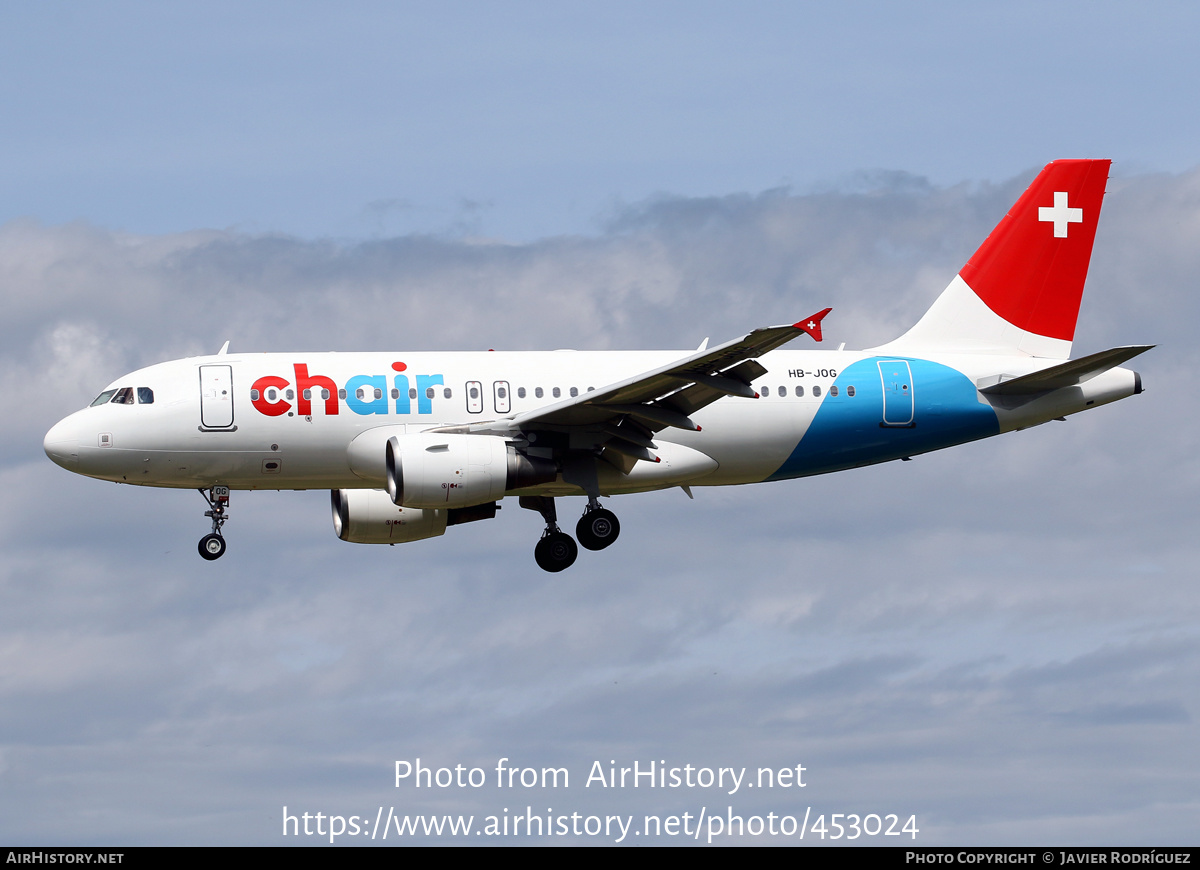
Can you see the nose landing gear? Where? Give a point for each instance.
(212, 546)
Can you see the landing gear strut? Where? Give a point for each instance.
(212, 546)
(598, 527)
(556, 551)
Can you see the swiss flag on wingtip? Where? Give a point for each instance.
(1032, 268)
(812, 325)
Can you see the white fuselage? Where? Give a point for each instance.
(242, 420)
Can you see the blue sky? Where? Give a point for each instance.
(1000, 638)
(529, 119)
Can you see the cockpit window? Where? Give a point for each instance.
(102, 399)
(124, 396)
(145, 396)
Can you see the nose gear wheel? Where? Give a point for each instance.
(212, 546)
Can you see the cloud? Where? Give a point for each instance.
(986, 637)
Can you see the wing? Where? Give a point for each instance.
(622, 417)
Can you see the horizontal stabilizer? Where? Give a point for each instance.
(1066, 374)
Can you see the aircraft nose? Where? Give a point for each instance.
(62, 444)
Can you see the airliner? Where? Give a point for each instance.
(411, 443)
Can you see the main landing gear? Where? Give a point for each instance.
(212, 546)
(557, 551)
(598, 527)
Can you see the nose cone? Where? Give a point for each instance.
(62, 443)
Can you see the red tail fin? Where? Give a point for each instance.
(1032, 267)
(1020, 292)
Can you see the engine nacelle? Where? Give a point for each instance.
(437, 471)
(367, 516)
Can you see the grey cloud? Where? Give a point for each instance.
(932, 635)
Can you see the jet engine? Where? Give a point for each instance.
(437, 471)
(367, 516)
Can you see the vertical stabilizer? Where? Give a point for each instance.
(1020, 292)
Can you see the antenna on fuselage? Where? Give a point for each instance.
(224, 349)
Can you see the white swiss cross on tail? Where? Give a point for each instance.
(1060, 215)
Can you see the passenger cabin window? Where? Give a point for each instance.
(145, 396)
(557, 392)
(539, 392)
(850, 392)
(574, 392)
(520, 392)
(833, 391)
(816, 391)
(800, 392)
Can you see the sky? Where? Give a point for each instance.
(999, 639)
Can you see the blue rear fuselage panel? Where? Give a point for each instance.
(849, 431)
